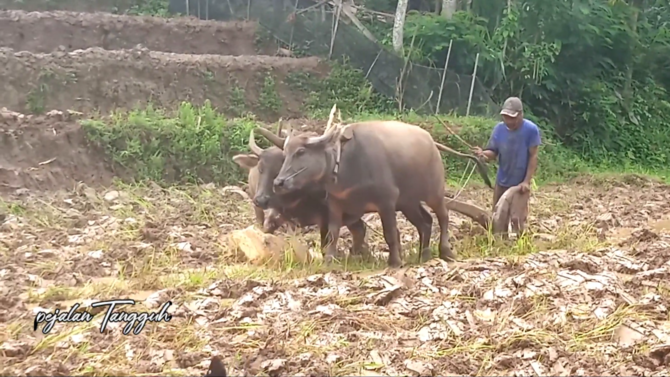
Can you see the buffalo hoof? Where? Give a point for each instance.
(447, 256)
(426, 255)
(395, 262)
(363, 250)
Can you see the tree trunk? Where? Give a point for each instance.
(628, 84)
(449, 8)
(399, 25)
(468, 6)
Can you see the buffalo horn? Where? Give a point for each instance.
(253, 146)
(326, 135)
(331, 117)
(274, 139)
(279, 125)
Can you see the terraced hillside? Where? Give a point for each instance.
(99, 61)
(73, 5)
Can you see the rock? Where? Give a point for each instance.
(47, 253)
(273, 366)
(545, 237)
(257, 246)
(96, 254)
(606, 221)
(112, 196)
(157, 299)
(627, 336)
(55, 114)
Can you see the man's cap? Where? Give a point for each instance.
(512, 107)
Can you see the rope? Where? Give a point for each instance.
(466, 182)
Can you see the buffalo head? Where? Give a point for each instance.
(267, 162)
(307, 159)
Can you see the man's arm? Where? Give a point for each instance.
(532, 164)
(533, 147)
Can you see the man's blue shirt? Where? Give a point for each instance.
(512, 149)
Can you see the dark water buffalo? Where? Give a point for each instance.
(377, 166)
(304, 207)
(250, 162)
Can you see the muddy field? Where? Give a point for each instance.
(98, 79)
(585, 293)
(49, 31)
(593, 301)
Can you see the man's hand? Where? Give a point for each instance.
(525, 187)
(478, 151)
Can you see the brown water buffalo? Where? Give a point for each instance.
(304, 207)
(376, 166)
(250, 162)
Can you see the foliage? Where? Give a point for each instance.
(197, 143)
(598, 71)
(556, 161)
(268, 99)
(158, 8)
(345, 86)
(194, 144)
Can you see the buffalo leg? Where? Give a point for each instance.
(273, 222)
(334, 225)
(442, 214)
(260, 216)
(423, 222)
(324, 236)
(323, 229)
(391, 235)
(358, 230)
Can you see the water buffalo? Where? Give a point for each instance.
(250, 162)
(376, 166)
(305, 207)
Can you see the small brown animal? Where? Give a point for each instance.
(216, 368)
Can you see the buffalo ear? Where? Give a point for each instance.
(246, 161)
(346, 133)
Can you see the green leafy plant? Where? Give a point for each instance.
(158, 8)
(597, 72)
(194, 144)
(269, 100)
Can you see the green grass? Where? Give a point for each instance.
(195, 144)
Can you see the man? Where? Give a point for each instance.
(514, 142)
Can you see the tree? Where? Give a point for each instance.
(449, 7)
(399, 25)
(597, 71)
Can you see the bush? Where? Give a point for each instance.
(556, 162)
(193, 145)
(196, 144)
